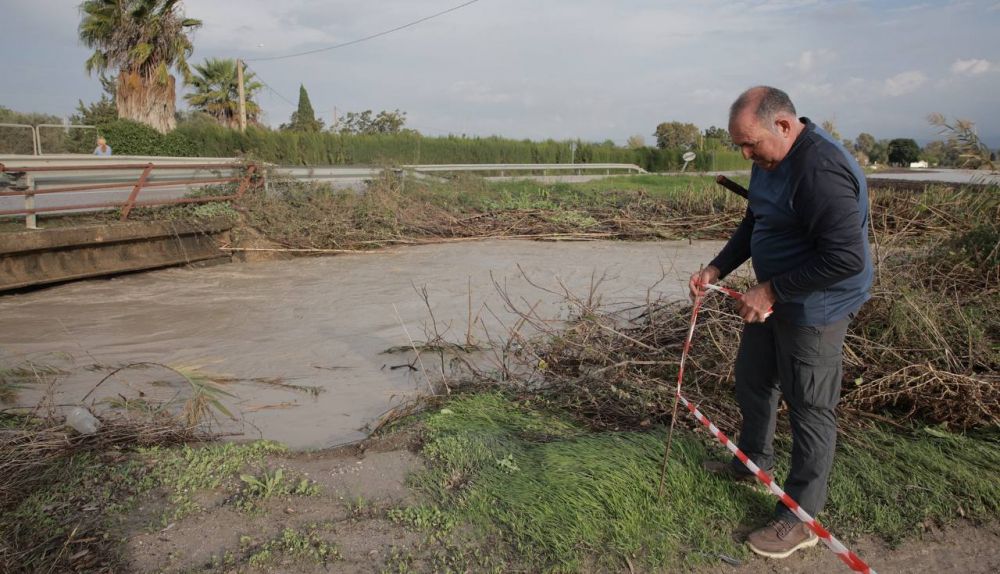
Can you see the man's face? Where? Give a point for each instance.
(766, 147)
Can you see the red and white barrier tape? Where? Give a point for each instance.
(732, 293)
(845, 555)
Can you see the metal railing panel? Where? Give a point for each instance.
(28, 177)
(84, 148)
(30, 128)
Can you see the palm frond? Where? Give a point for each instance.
(216, 91)
(97, 61)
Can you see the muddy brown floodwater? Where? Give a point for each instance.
(319, 322)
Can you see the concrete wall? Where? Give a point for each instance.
(39, 257)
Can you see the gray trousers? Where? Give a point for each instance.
(803, 364)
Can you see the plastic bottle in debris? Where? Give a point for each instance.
(82, 421)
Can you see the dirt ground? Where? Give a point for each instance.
(963, 547)
(358, 485)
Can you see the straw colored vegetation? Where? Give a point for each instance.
(401, 211)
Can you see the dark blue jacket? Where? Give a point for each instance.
(806, 230)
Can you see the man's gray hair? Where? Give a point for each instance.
(770, 102)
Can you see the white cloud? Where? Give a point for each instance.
(477, 93)
(903, 83)
(781, 5)
(804, 64)
(711, 94)
(809, 61)
(972, 67)
(814, 90)
(260, 27)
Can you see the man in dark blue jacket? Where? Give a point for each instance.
(806, 232)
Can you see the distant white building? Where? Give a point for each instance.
(918, 164)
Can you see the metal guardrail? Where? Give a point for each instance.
(64, 127)
(363, 172)
(87, 175)
(515, 167)
(25, 177)
(325, 172)
(34, 134)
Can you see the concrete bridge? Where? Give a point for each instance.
(45, 256)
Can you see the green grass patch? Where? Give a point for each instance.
(258, 488)
(293, 544)
(889, 484)
(306, 544)
(184, 471)
(561, 497)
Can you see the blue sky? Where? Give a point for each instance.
(585, 69)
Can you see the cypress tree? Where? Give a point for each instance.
(304, 119)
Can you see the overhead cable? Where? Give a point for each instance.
(366, 38)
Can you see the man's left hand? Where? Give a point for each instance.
(757, 303)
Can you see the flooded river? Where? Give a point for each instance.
(319, 323)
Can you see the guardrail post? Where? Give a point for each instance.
(245, 182)
(130, 202)
(31, 219)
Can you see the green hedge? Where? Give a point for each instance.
(208, 139)
(132, 138)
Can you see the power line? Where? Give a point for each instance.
(366, 38)
(268, 86)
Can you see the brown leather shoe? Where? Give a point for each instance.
(726, 470)
(780, 538)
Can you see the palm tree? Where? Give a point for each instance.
(141, 40)
(217, 93)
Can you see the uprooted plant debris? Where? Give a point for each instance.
(67, 532)
(924, 349)
(396, 211)
(901, 364)
(393, 210)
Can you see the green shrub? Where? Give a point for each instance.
(203, 137)
(132, 138)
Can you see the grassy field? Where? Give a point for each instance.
(562, 496)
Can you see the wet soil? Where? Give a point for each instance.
(359, 484)
(356, 487)
(962, 547)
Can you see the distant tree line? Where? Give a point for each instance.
(138, 46)
(961, 147)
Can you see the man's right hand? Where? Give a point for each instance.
(709, 274)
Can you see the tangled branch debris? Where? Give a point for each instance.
(924, 349)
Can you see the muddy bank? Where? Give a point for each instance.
(319, 324)
(353, 513)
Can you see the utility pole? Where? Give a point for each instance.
(243, 98)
